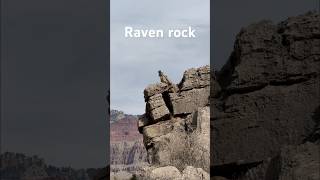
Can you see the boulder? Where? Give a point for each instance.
(157, 108)
(191, 173)
(187, 102)
(155, 130)
(153, 89)
(165, 173)
(195, 78)
(172, 173)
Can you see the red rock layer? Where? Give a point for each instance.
(125, 129)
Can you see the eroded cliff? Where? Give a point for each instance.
(127, 152)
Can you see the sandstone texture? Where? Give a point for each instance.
(176, 128)
(265, 103)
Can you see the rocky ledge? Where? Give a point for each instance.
(265, 108)
(176, 127)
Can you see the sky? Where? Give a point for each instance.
(135, 62)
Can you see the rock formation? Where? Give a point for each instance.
(265, 110)
(176, 127)
(265, 103)
(127, 152)
(123, 127)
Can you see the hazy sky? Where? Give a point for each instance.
(135, 62)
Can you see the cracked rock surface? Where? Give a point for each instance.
(176, 128)
(265, 103)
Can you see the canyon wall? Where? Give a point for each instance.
(127, 152)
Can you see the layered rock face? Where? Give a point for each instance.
(176, 127)
(265, 103)
(127, 152)
(123, 127)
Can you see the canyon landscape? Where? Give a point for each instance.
(174, 130)
(257, 118)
